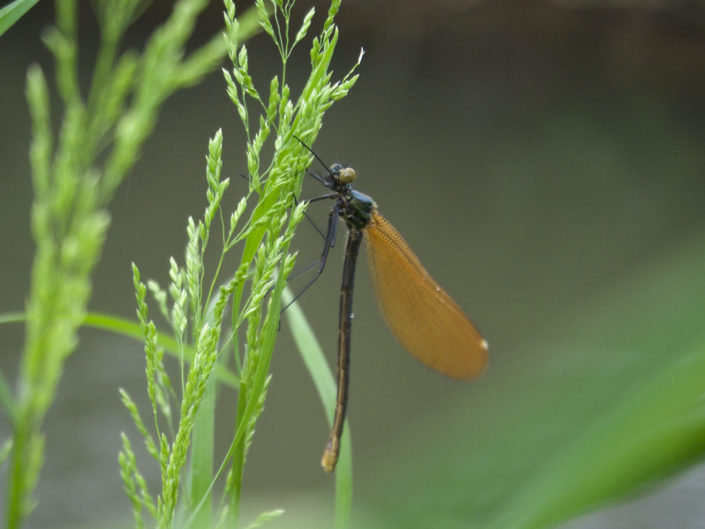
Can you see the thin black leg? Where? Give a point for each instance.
(330, 238)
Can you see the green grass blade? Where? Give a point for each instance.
(12, 12)
(655, 431)
(131, 329)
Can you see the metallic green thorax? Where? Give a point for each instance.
(358, 209)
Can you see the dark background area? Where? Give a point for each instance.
(538, 156)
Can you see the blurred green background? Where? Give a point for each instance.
(545, 159)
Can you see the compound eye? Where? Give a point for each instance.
(346, 175)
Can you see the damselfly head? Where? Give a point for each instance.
(343, 173)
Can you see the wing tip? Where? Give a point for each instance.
(477, 363)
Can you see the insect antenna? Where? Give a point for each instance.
(325, 166)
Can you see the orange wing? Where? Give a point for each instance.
(421, 315)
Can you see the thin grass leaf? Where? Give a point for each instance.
(12, 12)
(265, 517)
(130, 329)
(658, 429)
(317, 366)
(5, 450)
